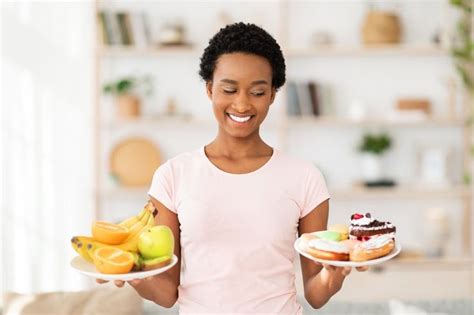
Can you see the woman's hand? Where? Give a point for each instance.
(136, 283)
(333, 276)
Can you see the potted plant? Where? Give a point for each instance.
(462, 51)
(373, 146)
(126, 91)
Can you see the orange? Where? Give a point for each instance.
(109, 233)
(113, 260)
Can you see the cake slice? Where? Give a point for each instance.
(363, 227)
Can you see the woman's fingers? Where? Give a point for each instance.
(100, 281)
(364, 268)
(346, 271)
(119, 283)
(329, 267)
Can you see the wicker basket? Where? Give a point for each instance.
(381, 27)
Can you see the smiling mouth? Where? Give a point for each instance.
(238, 119)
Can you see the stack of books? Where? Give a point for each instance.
(124, 29)
(307, 99)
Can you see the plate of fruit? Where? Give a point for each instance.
(135, 248)
(365, 242)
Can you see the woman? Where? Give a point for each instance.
(236, 205)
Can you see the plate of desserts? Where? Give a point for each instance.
(365, 242)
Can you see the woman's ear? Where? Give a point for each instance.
(209, 89)
(272, 95)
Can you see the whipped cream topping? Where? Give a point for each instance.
(362, 221)
(328, 246)
(376, 242)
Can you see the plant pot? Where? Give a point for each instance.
(128, 106)
(371, 167)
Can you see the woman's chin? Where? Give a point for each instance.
(232, 132)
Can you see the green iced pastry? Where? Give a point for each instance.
(329, 235)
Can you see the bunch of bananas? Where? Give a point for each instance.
(86, 245)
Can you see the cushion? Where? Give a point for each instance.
(101, 301)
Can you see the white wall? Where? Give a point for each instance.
(47, 141)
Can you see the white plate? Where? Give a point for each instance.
(338, 263)
(88, 269)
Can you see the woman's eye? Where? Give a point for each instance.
(229, 91)
(258, 93)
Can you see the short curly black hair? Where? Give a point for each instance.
(246, 38)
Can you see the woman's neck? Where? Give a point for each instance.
(237, 148)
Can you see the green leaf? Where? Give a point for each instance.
(125, 85)
(373, 143)
(465, 76)
(467, 178)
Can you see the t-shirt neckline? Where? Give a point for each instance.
(258, 170)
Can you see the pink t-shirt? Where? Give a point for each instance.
(238, 230)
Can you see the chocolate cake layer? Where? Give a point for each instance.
(355, 231)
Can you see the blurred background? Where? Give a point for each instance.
(97, 94)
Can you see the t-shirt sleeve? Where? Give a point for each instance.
(315, 190)
(162, 186)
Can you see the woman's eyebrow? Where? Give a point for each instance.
(235, 82)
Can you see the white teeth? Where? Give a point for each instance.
(239, 119)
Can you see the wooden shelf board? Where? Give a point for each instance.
(171, 122)
(344, 122)
(292, 122)
(360, 50)
(130, 51)
(160, 122)
(422, 262)
(400, 49)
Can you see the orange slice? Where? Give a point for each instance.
(112, 260)
(109, 233)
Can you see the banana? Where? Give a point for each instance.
(136, 229)
(131, 244)
(85, 245)
(80, 243)
(128, 223)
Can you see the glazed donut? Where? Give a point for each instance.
(350, 243)
(306, 237)
(328, 250)
(374, 248)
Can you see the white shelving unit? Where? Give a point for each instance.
(283, 125)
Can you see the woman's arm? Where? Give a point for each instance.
(162, 288)
(320, 284)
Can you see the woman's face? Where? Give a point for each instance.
(241, 93)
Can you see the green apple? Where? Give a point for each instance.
(156, 241)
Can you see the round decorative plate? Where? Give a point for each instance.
(134, 161)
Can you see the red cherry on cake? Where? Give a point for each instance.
(357, 216)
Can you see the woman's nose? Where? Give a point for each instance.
(241, 103)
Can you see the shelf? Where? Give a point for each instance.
(342, 122)
(427, 263)
(411, 192)
(172, 122)
(401, 50)
(125, 192)
(158, 122)
(382, 50)
(130, 51)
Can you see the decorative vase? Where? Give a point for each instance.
(128, 106)
(371, 167)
